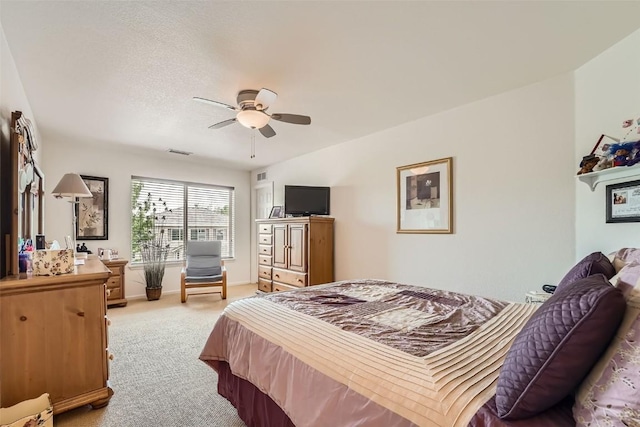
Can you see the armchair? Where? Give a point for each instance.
(203, 268)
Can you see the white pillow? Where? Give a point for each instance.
(33, 412)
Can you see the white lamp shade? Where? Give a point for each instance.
(253, 119)
(71, 185)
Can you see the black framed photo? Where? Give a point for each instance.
(92, 212)
(623, 202)
(276, 212)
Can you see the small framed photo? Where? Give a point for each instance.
(425, 197)
(623, 202)
(276, 212)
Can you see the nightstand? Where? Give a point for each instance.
(536, 297)
(115, 283)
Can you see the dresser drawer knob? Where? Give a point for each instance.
(80, 313)
(276, 275)
(23, 318)
(110, 356)
(108, 322)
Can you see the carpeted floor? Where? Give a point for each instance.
(156, 375)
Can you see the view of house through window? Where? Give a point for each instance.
(174, 210)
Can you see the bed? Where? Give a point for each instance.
(379, 353)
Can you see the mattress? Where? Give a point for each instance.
(368, 352)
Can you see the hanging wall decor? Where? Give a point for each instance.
(425, 197)
(93, 212)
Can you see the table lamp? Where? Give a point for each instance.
(72, 186)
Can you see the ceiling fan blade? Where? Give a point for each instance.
(222, 124)
(296, 119)
(216, 103)
(265, 98)
(267, 131)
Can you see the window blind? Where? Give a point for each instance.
(183, 210)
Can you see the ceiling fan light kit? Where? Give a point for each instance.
(252, 111)
(252, 119)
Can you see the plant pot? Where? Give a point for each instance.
(153, 293)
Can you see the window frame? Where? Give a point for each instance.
(185, 229)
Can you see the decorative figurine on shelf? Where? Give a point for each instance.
(82, 248)
(634, 155)
(588, 163)
(603, 163)
(621, 153)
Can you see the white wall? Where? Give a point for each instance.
(513, 191)
(119, 164)
(607, 91)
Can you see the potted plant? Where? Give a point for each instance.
(150, 239)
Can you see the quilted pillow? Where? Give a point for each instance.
(610, 395)
(558, 346)
(593, 263)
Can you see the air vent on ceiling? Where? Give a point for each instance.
(262, 176)
(184, 153)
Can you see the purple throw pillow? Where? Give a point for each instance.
(558, 346)
(595, 263)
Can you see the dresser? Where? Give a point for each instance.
(294, 252)
(53, 338)
(115, 284)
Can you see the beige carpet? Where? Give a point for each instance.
(156, 375)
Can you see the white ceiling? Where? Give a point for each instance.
(112, 72)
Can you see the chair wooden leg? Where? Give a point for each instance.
(224, 284)
(183, 291)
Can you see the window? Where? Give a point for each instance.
(198, 234)
(199, 211)
(176, 234)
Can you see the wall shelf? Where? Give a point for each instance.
(592, 179)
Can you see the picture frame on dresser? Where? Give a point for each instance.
(93, 212)
(276, 212)
(623, 202)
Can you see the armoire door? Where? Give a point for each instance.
(298, 247)
(280, 245)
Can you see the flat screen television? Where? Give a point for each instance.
(301, 200)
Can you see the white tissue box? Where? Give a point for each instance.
(51, 262)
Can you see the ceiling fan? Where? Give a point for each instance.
(252, 111)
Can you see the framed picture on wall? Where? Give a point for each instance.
(92, 213)
(623, 202)
(425, 197)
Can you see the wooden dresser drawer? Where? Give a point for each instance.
(264, 249)
(264, 239)
(115, 271)
(264, 285)
(113, 282)
(279, 287)
(264, 228)
(264, 272)
(114, 293)
(289, 277)
(264, 260)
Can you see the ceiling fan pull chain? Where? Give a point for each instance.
(253, 144)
